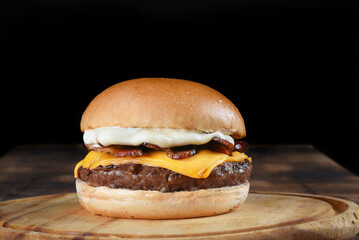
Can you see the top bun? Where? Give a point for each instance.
(164, 103)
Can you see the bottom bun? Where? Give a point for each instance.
(125, 203)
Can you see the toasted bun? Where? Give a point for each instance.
(126, 203)
(164, 103)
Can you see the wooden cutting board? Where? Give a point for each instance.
(262, 216)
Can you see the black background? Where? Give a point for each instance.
(291, 67)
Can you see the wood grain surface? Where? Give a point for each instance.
(33, 170)
(263, 216)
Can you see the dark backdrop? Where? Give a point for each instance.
(291, 67)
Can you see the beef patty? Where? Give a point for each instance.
(141, 177)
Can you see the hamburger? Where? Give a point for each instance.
(162, 148)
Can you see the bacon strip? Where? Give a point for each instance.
(180, 153)
(240, 146)
(217, 145)
(118, 151)
(174, 153)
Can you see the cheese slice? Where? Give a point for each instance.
(198, 166)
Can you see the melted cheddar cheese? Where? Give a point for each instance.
(198, 166)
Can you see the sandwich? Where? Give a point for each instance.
(162, 148)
